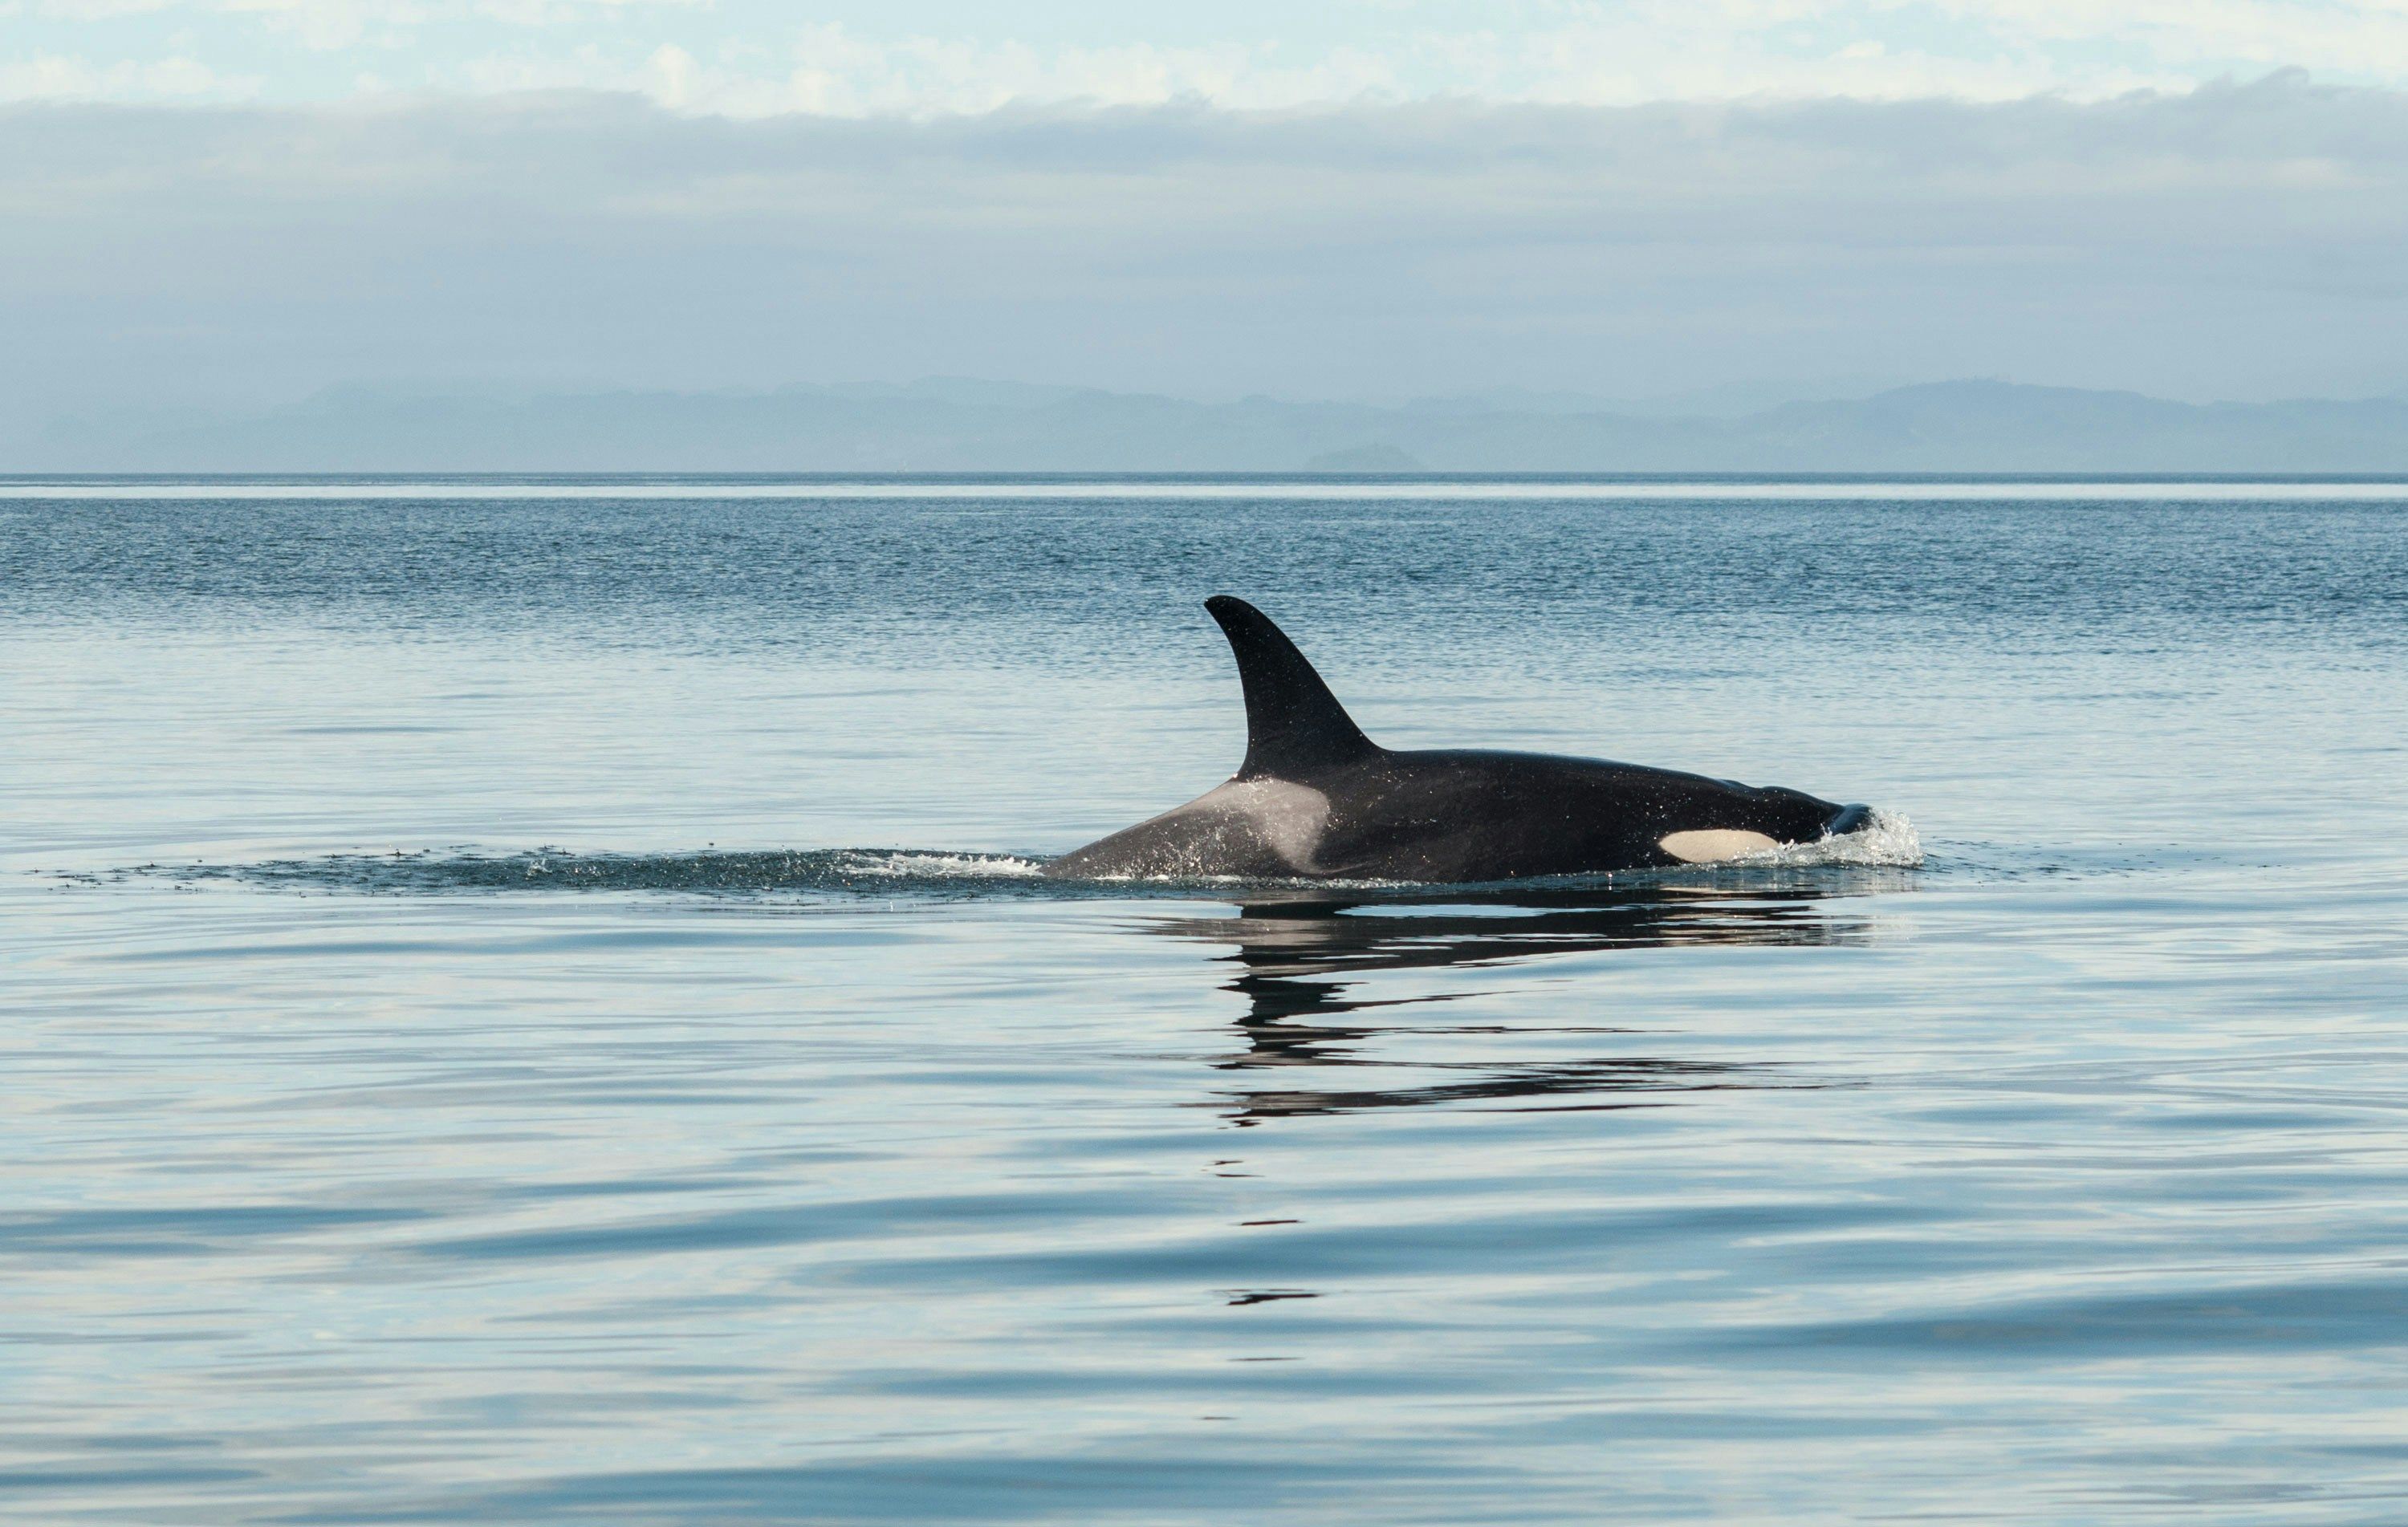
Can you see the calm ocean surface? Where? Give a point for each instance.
(526, 1001)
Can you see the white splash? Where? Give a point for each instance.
(1887, 840)
(904, 864)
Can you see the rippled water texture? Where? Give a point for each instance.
(530, 1002)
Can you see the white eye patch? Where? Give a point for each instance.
(1710, 844)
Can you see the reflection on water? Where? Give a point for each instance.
(1302, 960)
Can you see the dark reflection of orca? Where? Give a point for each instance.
(1300, 961)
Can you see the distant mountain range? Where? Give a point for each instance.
(948, 425)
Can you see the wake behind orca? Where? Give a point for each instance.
(1315, 799)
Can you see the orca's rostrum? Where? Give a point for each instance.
(1316, 799)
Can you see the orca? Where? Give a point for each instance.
(1317, 800)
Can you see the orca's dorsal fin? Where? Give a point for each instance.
(1293, 724)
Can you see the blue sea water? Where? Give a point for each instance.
(527, 1000)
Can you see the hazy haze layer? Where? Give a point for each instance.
(2235, 241)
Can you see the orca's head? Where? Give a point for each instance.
(1792, 816)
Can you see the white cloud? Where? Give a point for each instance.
(754, 58)
(834, 71)
(2323, 35)
(1592, 54)
(96, 10)
(56, 77)
(323, 25)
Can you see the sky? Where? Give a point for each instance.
(853, 57)
(218, 204)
